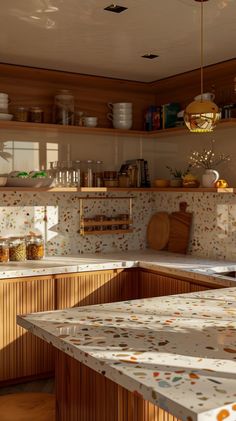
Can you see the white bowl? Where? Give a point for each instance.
(6, 117)
(122, 120)
(122, 114)
(122, 125)
(29, 182)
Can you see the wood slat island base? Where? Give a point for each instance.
(85, 395)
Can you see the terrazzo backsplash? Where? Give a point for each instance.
(56, 215)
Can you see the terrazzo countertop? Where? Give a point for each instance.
(185, 266)
(179, 352)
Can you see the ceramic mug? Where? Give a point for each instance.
(90, 121)
(120, 106)
(206, 96)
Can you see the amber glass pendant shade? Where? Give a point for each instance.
(201, 116)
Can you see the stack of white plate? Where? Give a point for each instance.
(4, 101)
(122, 115)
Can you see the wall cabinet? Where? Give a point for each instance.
(22, 354)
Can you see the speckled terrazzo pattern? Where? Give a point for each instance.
(178, 352)
(57, 217)
(214, 221)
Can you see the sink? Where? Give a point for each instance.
(230, 274)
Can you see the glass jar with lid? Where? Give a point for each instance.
(64, 108)
(34, 247)
(36, 115)
(21, 113)
(88, 173)
(17, 249)
(4, 250)
(98, 174)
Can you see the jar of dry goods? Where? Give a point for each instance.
(36, 115)
(35, 247)
(21, 114)
(4, 250)
(64, 108)
(17, 249)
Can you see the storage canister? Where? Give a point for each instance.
(17, 249)
(64, 108)
(4, 250)
(34, 247)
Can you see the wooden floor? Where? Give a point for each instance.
(45, 386)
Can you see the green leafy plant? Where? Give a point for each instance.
(176, 173)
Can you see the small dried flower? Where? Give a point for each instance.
(207, 158)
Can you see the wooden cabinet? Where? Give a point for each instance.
(81, 289)
(22, 354)
(154, 284)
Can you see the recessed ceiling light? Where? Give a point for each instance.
(150, 56)
(115, 8)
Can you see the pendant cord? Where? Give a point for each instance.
(201, 49)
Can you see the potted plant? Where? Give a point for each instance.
(177, 176)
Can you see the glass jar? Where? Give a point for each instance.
(34, 247)
(21, 114)
(17, 249)
(64, 108)
(4, 250)
(124, 217)
(77, 175)
(88, 174)
(98, 174)
(66, 171)
(124, 179)
(36, 115)
(110, 179)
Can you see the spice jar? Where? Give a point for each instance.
(35, 247)
(21, 114)
(4, 250)
(17, 249)
(124, 217)
(36, 115)
(110, 179)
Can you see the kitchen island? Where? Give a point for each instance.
(145, 359)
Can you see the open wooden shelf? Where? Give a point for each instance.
(56, 128)
(118, 189)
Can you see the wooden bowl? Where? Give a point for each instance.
(161, 182)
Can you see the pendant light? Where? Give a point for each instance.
(201, 116)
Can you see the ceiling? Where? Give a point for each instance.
(79, 36)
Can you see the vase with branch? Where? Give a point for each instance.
(209, 160)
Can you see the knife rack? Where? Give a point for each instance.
(91, 226)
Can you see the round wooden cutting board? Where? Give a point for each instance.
(158, 231)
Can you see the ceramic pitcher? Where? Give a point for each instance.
(209, 178)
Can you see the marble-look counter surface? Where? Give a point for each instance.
(179, 352)
(185, 266)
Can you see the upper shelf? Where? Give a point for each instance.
(56, 128)
(118, 189)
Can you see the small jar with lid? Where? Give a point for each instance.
(4, 250)
(17, 249)
(110, 179)
(36, 115)
(21, 114)
(34, 247)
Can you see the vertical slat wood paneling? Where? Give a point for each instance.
(156, 285)
(22, 354)
(95, 287)
(84, 395)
